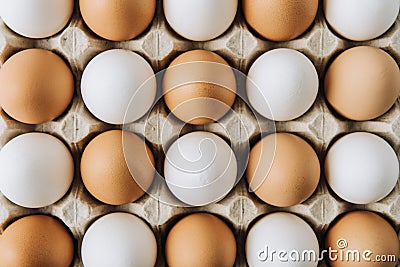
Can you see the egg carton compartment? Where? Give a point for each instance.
(240, 46)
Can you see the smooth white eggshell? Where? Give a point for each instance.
(118, 86)
(119, 239)
(280, 231)
(361, 168)
(361, 20)
(282, 84)
(37, 170)
(200, 168)
(200, 20)
(38, 18)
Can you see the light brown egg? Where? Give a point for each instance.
(362, 83)
(362, 231)
(279, 20)
(117, 167)
(200, 240)
(36, 241)
(199, 87)
(283, 170)
(117, 20)
(36, 86)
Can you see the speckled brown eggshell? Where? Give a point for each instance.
(283, 170)
(362, 83)
(200, 240)
(199, 87)
(361, 231)
(279, 20)
(117, 167)
(36, 241)
(36, 86)
(117, 20)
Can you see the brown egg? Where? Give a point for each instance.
(360, 232)
(362, 83)
(283, 170)
(279, 20)
(36, 241)
(117, 167)
(200, 240)
(36, 86)
(117, 20)
(199, 87)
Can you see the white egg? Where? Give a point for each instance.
(361, 20)
(282, 84)
(118, 86)
(281, 239)
(37, 170)
(200, 20)
(38, 18)
(119, 239)
(200, 168)
(361, 168)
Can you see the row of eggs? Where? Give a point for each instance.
(117, 167)
(202, 20)
(119, 86)
(356, 238)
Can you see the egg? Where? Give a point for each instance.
(280, 20)
(200, 20)
(362, 83)
(36, 241)
(361, 20)
(36, 19)
(200, 240)
(37, 170)
(119, 20)
(283, 170)
(365, 234)
(199, 87)
(36, 86)
(361, 168)
(277, 98)
(281, 239)
(118, 86)
(200, 168)
(117, 167)
(119, 239)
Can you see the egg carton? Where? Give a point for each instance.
(159, 45)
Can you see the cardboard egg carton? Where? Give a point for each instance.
(159, 45)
